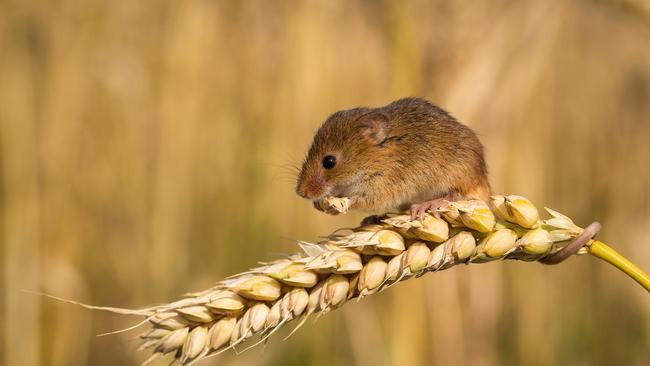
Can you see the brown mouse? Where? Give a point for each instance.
(409, 154)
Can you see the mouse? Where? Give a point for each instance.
(409, 155)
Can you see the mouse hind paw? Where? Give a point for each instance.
(419, 209)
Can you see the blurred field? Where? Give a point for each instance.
(146, 151)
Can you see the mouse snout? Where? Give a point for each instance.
(311, 188)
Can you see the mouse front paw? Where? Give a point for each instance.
(332, 205)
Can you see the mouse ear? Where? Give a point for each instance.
(374, 127)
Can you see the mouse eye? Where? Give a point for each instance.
(329, 161)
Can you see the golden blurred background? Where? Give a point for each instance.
(147, 150)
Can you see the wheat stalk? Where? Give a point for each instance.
(354, 263)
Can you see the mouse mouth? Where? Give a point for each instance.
(348, 190)
(342, 191)
(337, 191)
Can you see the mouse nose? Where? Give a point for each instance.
(301, 188)
(301, 192)
(309, 189)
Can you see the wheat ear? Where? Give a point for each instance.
(357, 263)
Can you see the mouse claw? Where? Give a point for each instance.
(435, 213)
(419, 209)
(332, 211)
(317, 205)
(327, 210)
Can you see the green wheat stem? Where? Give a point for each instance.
(602, 251)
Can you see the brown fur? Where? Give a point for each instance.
(391, 157)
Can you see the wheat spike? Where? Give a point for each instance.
(352, 265)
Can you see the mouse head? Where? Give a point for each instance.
(346, 154)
